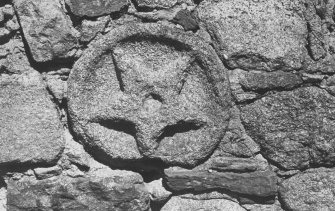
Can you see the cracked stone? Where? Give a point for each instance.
(152, 96)
(47, 29)
(311, 190)
(95, 8)
(30, 131)
(256, 35)
(293, 128)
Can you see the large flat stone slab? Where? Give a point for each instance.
(104, 190)
(259, 183)
(30, 129)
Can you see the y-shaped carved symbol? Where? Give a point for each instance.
(164, 88)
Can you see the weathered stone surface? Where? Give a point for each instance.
(177, 203)
(47, 29)
(147, 90)
(210, 195)
(161, 4)
(264, 207)
(240, 94)
(264, 81)
(261, 183)
(8, 22)
(234, 164)
(236, 142)
(30, 129)
(44, 173)
(3, 198)
(157, 191)
(158, 15)
(57, 86)
(311, 190)
(186, 19)
(316, 39)
(293, 128)
(156, 3)
(95, 8)
(89, 29)
(104, 189)
(13, 58)
(75, 153)
(321, 36)
(256, 35)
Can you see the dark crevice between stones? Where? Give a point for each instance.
(180, 127)
(197, 1)
(157, 206)
(248, 101)
(17, 167)
(7, 38)
(251, 199)
(148, 168)
(4, 70)
(4, 2)
(60, 106)
(120, 125)
(149, 176)
(266, 92)
(76, 21)
(2, 183)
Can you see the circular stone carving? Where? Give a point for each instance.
(149, 91)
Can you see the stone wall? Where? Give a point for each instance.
(172, 105)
